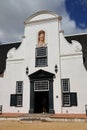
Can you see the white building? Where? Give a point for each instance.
(43, 73)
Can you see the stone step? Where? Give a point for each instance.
(34, 117)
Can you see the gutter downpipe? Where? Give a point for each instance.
(59, 31)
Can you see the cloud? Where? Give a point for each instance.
(77, 11)
(14, 12)
(70, 28)
(68, 25)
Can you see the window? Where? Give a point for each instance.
(66, 92)
(41, 56)
(65, 85)
(17, 98)
(19, 92)
(41, 85)
(41, 51)
(68, 98)
(19, 87)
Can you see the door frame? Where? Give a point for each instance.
(41, 75)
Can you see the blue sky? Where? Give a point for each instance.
(13, 13)
(77, 10)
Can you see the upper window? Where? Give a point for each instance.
(41, 51)
(65, 85)
(19, 93)
(41, 56)
(19, 87)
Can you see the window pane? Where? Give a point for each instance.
(66, 99)
(19, 87)
(41, 61)
(41, 51)
(65, 85)
(19, 100)
(41, 85)
(41, 56)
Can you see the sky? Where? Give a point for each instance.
(13, 13)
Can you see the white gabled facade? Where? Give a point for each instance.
(56, 78)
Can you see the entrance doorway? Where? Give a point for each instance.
(41, 102)
(41, 92)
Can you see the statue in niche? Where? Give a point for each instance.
(41, 37)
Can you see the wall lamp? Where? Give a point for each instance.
(27, 70)
(56, 68)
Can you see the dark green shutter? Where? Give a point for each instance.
(73, 97)
(13, 100)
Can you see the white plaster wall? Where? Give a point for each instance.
(11, 75)
(72, 67)
(51, 29)
(15, 71)
(17, 54)
(67, 48)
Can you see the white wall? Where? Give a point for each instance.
(51, 29)
(72, 67)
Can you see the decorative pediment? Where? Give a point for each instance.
(41, 74)
(42, 15)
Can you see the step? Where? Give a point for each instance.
(34, 117)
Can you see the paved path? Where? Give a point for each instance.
(46, 117)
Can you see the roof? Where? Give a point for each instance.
(4, 48)
(82, 39)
